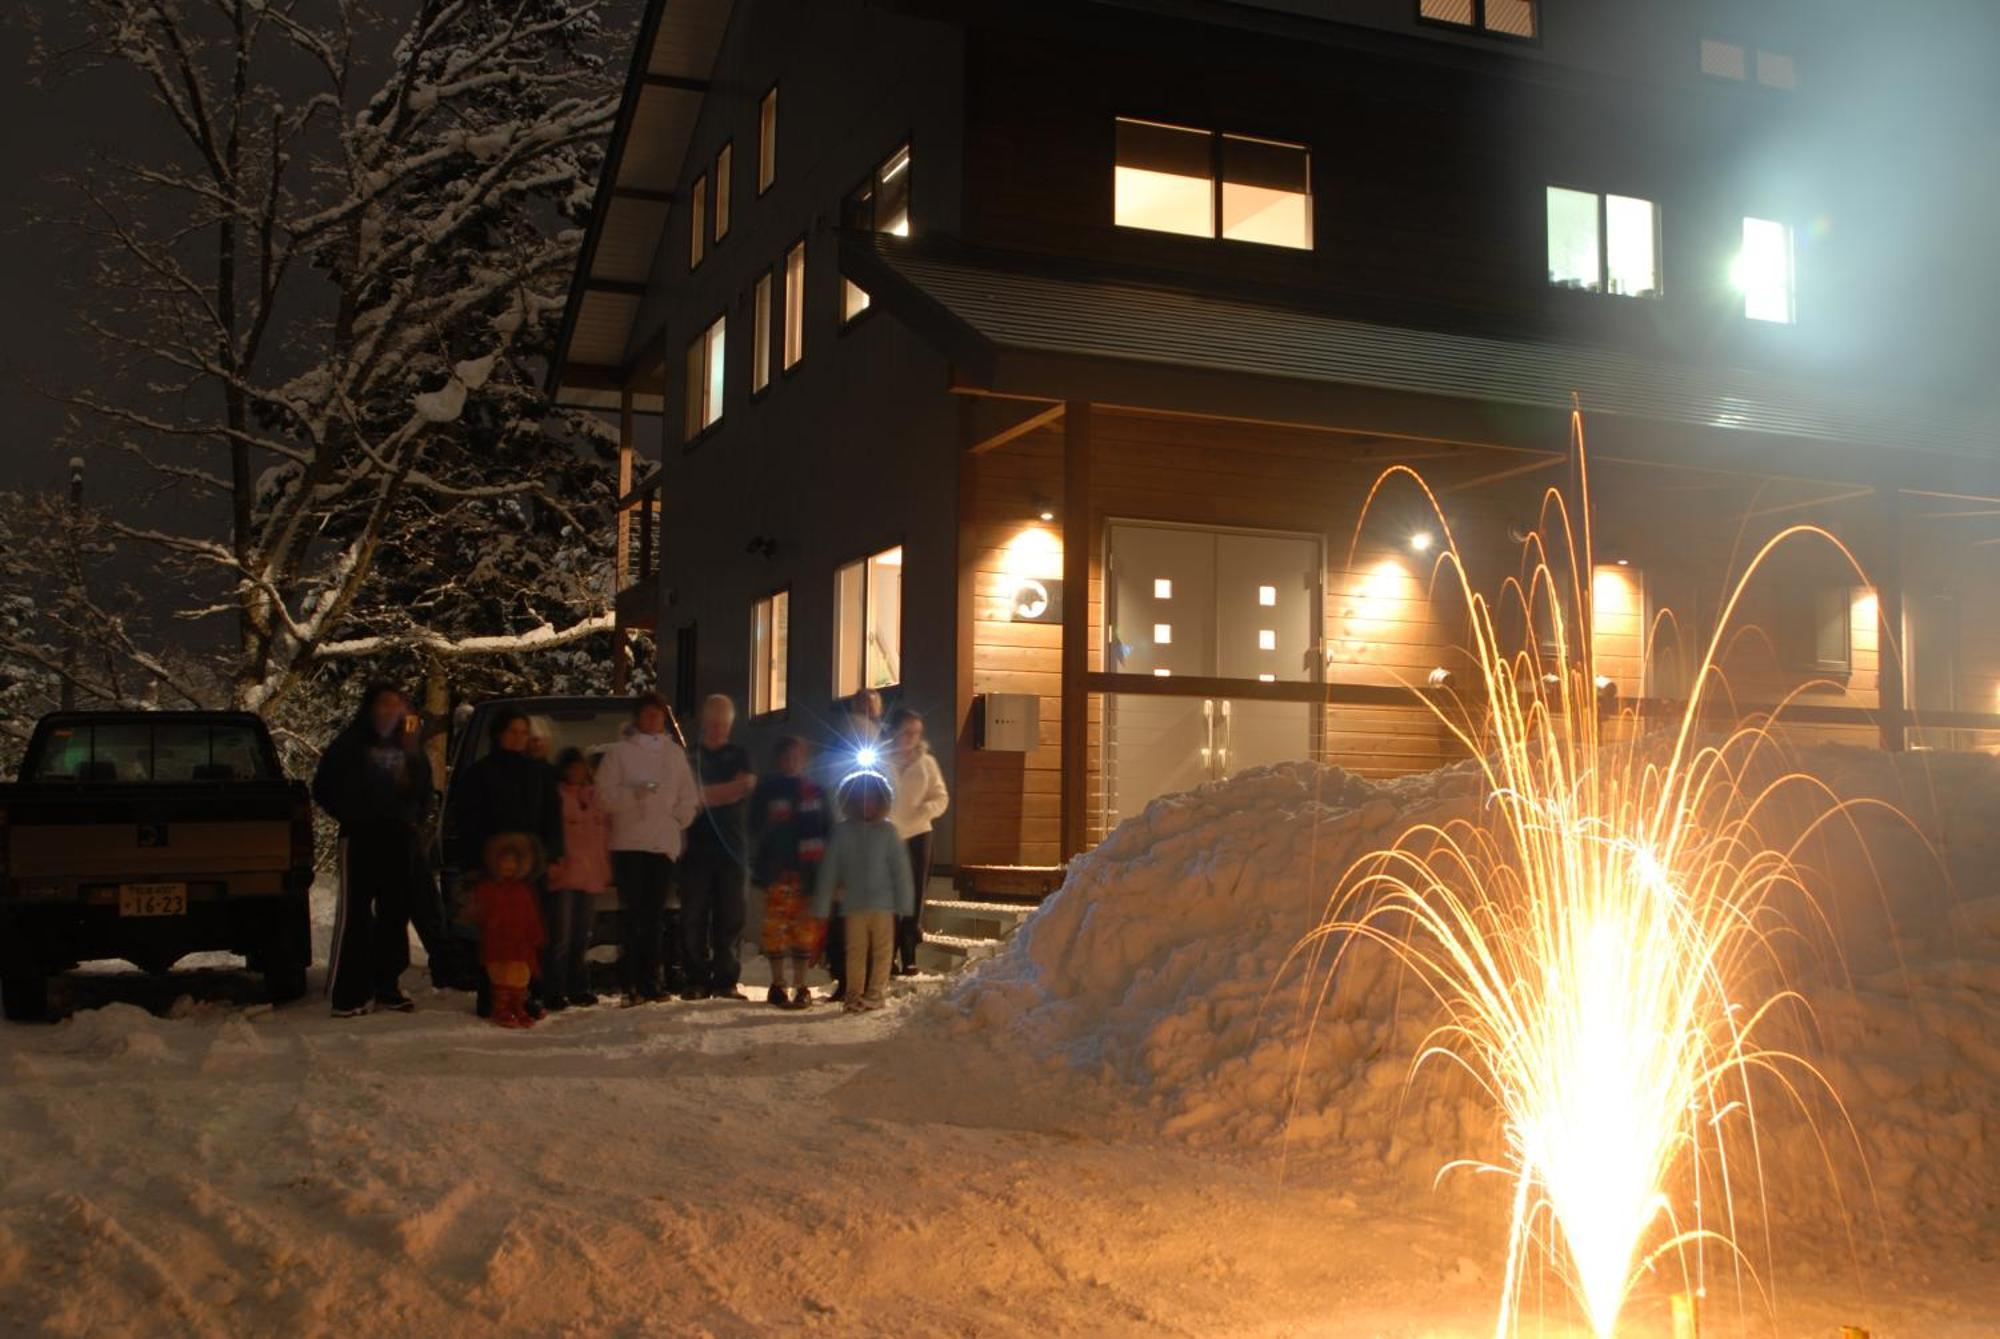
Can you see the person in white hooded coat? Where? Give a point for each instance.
(919, 800)
(648, 791)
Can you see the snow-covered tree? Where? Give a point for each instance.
(325, 318)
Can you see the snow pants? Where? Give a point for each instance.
(871, 937)
(379, 870)
(910, 929)
(643, 878)
(713, 899)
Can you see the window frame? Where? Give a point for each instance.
(1603, 199)
(794, 304)
(763, 331)
(774, 670)
(1478, 26)
(767, 140)
(1791, 274)
(863, 560)
(1217, 184)
(725, 165)
(697, 221)
(700, 353)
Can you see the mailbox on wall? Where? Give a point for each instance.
(1007, 722)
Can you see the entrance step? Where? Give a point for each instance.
(950, 953)
(974, 920)
(1023, 884)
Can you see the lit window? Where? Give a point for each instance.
(1267, 596)
(1267, 678)
(1723, 60)
(1163, 634)
(1776, 70)
(853, 299)
(1510, 18)
(1163, 589)
(725, 162)
(1603, 243)
(1267, 639)
(868, 627)
(1163, 674)
(760, 334)
(795, 305)
(767, 140)
(705, 364)
(697, 221)
(1166, 179)
(770, 644)
(1764, 272)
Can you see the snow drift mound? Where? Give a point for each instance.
(1163, 968)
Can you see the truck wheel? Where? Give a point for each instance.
(25, 999)
(284, 979)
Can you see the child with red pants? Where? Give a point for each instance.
(507, 910)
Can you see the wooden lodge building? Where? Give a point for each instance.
(1006, 347)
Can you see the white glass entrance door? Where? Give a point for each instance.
(1185, 602)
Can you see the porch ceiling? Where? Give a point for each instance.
(664, 89)
(1014, 329)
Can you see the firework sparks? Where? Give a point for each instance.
(1601, 938)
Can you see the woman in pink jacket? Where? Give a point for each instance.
(575, 883)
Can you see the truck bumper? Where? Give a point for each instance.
(41, 937)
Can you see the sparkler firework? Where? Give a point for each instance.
(1602, 937)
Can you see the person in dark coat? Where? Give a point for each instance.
(374, 781)
(507, 791)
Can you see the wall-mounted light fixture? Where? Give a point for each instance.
(1421, 541)
(1043, 508)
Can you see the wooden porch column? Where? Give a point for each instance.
(1892, 695)
(1076, 627)
(628, 431)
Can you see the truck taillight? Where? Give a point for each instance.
(302, 834)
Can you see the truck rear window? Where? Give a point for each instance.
(125, 752)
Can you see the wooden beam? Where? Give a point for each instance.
(1887, 569)
(679, 83)
(1076, 628)
(1018, 430)
(965, 541)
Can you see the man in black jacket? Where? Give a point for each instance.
(375, 782)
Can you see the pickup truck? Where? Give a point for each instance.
(148, 836)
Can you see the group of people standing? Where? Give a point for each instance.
(543, 843)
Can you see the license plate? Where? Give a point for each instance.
(152, 899)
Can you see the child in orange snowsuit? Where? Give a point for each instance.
(506, 907)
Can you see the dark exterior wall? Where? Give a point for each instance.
(855, 449)
(1431, 156)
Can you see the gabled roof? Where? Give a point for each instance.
(1013, 326)
(664, 89)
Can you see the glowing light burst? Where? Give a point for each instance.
(1602, 938)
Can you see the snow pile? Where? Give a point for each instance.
(1165, 968)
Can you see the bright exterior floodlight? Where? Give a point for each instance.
(1421, 541)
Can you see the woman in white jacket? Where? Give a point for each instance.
(920, 798)
(648, 791)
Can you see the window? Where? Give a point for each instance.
(770, 645)
(1201, 184)
(114, 751)
(1729, 60)
(880, 204)
(1723, 60)
(795, 306)
(697, 221)
(705, 379)
(868, 623)
(760, 334)
(1776, 70)
(853, 300)
(725, 163)
(1509, 18)
(767, 140)
(1817, 630)
(1603, 243)
(1765, 272)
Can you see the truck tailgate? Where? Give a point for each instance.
(104, 834)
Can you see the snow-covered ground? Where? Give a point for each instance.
(1087, 1136)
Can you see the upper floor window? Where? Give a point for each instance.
(1202, 184)
(868, 623)
(880, 204)
(1603, 243)
(1510, 18)
(725, 162)
(705, 363)
(1766, 272)
(795, 306)
(770, 646)
(767, 140)
(697, 221)
(760, 334)
(1728, 60)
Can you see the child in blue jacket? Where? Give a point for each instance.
(867, 873)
